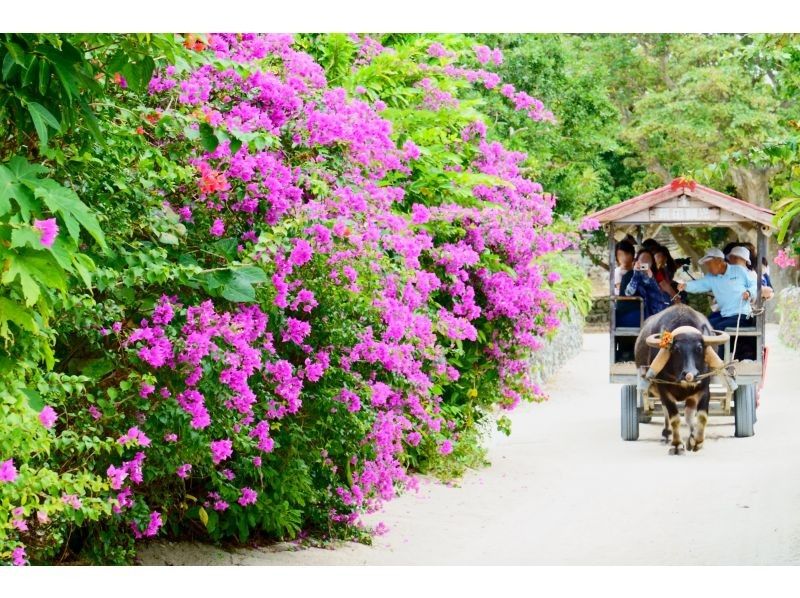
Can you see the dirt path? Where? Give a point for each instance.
(564, 489)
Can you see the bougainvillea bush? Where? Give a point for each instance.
(285, 274)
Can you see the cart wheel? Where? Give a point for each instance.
(744, 410)
(630, 412)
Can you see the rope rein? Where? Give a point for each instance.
(721, 370)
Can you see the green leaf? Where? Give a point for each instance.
(11, 311)
(60, 199)
(168, 239)
(13, 187)
(30, 290)
(35, 400)
(211, 524)
(208, 138)
(203, 516)
(8, 65)
(239, 290)
(20, 237)
(251, 274)
(41, 120)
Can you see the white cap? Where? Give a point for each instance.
(742, 252)
(711, 254)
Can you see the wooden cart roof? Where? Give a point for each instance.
(686, 203)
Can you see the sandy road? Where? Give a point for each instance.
(564, 489)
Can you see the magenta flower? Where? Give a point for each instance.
(146, 390)
(18, 556)
(420, 214)
(248, 497)
(117, 476)
(784, 260)
(218, 228)
(221, 450)
(20, 524)
(49, 230)
(71, 500)
(446, 447)
(8, 473)
(48, 417)
(301, 253)
(483, 54)
(183, 470)
(589, 224)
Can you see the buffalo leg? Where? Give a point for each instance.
(666, 432)
(699, 434)
(674, 421)
(689, 411)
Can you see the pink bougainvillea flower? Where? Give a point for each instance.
(8, 473)
(153, 526)
(221, 450)
(117, 476)
(20, 524)
(48, 417)
(218, 228)
(49, 229)
(589, 224)
(71, 500)
(784, 260)
(248, 497)
(18, 556)
(446, 447)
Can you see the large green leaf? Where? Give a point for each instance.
(20, 237)
(64, 201)
(35, 269)
(13, 186)
(35, 400)
(208, 138)
(239, 290)
(11, 311)
(252, 274)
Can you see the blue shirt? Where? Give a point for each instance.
(728, 289)
(647, 288)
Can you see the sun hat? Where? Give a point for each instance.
(742, 252)
(711, 254)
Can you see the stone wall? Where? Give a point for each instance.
(789, 311)
(567, 342)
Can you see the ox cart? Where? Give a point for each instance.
(676, 206)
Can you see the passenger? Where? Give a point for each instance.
(740, 255)
(732, 288)
(665, 271)
(650, 244)
(625, 254)
(641, 281)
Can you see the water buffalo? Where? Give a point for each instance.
(675, 365)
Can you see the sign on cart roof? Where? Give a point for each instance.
(685, 202)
